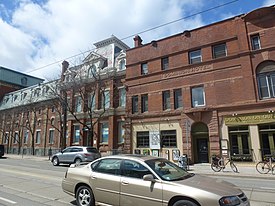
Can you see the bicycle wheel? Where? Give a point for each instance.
(262, 167)
(215, 167)
(233, 167)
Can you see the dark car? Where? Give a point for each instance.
(75, 154)
(2, 150)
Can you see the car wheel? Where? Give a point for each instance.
(55, 161)
(184, 203)
(84, 196)
(77, 161)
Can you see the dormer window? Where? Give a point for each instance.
(92, 71)
(122, 65)
(24, 81)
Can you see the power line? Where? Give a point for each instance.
(142, 32)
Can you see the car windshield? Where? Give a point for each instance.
(167, 170)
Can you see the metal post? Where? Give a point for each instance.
(187, 143)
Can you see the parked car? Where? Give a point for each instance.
(2, 149)
(138, 180)
(75, 154)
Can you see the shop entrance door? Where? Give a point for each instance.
(202, 147)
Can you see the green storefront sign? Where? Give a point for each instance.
(250, 119)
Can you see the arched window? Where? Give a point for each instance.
(122, 64)
(266, 79)
(92, 71)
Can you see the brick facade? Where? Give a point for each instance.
(229, 84)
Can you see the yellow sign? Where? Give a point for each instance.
(250, 119)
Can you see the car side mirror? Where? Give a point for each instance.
(149, 177)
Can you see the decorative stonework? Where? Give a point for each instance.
(192, 70)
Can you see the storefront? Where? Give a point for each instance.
(162, 139)
(251, 137)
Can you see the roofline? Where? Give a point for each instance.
(21, 73)
(178, 34)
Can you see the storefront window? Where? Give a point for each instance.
(240, 143)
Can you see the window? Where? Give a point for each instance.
(122, 65)
(134, 169)
(6, 138)
(51, 136)
(122, 97)
(198, 97)
(104, 132)
(105, 99)
(78, 105)
(26, 136)
(135, 104)
(92, 102)
(266, 84)
(37, 137)
(195, 57)
(255, 42)
(107, 166)
(144, 103)
(92, 71)
(16, 138)
(168, 138)
(239, 140)
(144, 69)
(164, 63)
(177, 98)
(121, 132)
(219, 51)
(76, 136)
(166, 100)
(53, 109)
(24, 81)
(143, 139)
(266, 79)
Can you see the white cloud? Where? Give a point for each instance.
(42, 34)
(269, 3)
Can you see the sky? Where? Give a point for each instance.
(37, 35)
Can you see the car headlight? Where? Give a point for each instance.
(230, 201)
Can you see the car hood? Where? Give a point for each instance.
(213, 185)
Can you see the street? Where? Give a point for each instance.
(31, 182)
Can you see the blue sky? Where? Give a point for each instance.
(37, 33)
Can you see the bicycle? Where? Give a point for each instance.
(263, 167)
(219, 164)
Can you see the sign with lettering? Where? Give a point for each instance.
(250, 119)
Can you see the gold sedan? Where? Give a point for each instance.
(137, 180)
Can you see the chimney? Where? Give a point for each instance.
(138, 41)
(65, 66)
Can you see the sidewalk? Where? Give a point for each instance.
(245, 169)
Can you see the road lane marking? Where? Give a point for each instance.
(268, 188)
(7, 200)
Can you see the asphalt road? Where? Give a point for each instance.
(27, 182)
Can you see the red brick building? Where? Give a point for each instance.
(204, 90)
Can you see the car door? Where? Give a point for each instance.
(105, 181)
(136, 191)
(63, 157)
